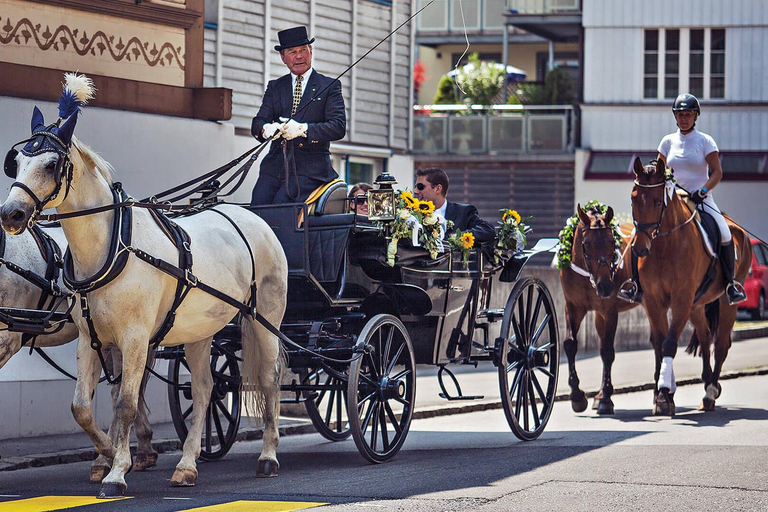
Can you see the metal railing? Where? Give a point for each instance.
(544, 6)
(496, 129)
(446, 15)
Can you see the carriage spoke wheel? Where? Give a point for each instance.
(222, 418)
(382, 389)
(528, 358)
(327, 408)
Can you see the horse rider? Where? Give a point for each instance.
(695, 158)
(304, 111)
(432, 185)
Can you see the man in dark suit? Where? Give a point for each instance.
(302, 112)
(432, 185)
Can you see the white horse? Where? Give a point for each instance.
(18, 292)
(131, 308)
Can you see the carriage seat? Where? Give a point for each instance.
(330, 198)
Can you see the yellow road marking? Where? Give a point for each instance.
(46, 503)
(256, 506)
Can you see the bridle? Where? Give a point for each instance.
(656, 226)
(602, 260)
(43, 141)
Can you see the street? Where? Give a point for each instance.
(631, 461)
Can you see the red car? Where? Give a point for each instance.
(756, 284)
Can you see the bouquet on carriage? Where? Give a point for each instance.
(415, 221)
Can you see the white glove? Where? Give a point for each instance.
(270, 129)
(291, 129)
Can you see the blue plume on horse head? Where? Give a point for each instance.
(69, 104)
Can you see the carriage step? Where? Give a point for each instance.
(492, 315)
(460, 397)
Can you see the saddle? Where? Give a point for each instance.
(710, 238)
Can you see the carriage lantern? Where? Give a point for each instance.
(381, 201)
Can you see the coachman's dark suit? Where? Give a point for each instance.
(326, 121)
(466, 218)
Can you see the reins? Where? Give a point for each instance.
(643, 227)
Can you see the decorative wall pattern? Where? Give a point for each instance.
(60, 38)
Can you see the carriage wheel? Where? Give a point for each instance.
(328, 408)
(382, 389)
(529, 358)
(222, 418)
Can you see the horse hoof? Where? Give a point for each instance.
(605, 407)
(267, 468)
(145, 461)
(719, 390)
(707, 405)
(112, 490)
(184, 477)
(98, 473)
(663, 405)
(579, 403)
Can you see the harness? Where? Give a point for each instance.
(656, 226)
(588, 272)
(117, 257)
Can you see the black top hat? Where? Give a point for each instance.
(292, 37)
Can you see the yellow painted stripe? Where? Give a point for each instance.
(256, 506)
(46, 503)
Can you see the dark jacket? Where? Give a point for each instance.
(326, 121)
(465, 218)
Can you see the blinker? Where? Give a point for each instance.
(10, 167)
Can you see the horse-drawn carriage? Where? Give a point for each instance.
(355, 329)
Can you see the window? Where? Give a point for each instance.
(211, 13)
(663, 55)
(615, 164)
(382, 2)
(743, 164)
(651, 68)
(760, 253)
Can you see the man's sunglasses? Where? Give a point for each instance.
(419, 186)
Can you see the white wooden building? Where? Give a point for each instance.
(638, 56)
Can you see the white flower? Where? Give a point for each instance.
(430, 220)
(404, 214)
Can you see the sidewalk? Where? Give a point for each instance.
(632, 371)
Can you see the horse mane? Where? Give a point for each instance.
(93, 161)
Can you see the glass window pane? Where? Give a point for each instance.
(493, 16)
(429, 134)
(471, 18)
(438, 15)
(697, 63)
(673, 39)
(762, 254)
(546, 133)
(697, 40)
(670, 87)
(717, 87)
(466, 134)
(718, 64)
(742, 164)
(505, 134)
(718, 39)
(616, 163)
(651, 40)
(697, 87)
(651, 63)
(671, 64)
(650, 87)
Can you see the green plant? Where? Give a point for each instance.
(566, 234)
(529, 93)
(559, 89)
(480, 81)
(512, 234)
(446, 92)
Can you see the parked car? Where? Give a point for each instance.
(756, 284)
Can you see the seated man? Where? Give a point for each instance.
(432, 185)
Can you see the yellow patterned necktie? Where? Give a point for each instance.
(296, 95)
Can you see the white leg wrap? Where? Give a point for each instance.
(673, 387)
(666, 376)
(711, 392)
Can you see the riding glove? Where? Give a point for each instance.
(270, 129)
(292, 129)
(698, 196)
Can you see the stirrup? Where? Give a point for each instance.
(735, 293)
(630, 292)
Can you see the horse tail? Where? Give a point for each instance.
(712, 313)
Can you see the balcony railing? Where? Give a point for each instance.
(544, 6)
(497, 129)
(446, 15)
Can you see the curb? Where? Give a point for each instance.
(254, 434)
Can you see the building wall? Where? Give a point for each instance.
(678, 13)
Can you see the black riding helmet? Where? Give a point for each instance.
(686, 102)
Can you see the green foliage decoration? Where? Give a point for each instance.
(566, 234)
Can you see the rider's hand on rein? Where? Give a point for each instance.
(699, 196)
(292, 129)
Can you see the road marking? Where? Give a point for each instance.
(256, 506)
(46, 503)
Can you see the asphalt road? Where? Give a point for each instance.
(631, 461)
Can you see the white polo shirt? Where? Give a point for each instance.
(686, 154)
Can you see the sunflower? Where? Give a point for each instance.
(425, 207)
(468, 239)
(513, 214)
(410, 201)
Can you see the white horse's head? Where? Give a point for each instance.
(42, 169)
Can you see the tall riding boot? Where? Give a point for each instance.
(630, 290)
(734, 291)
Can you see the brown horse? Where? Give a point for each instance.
(673, 263)
(590, 284)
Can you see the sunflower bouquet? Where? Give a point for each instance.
(415, 220)
(512, 232)
(462, 242)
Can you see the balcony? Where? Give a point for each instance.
(445, 17)
(493, 130)
(544, 6)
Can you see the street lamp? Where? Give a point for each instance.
(381, 201)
